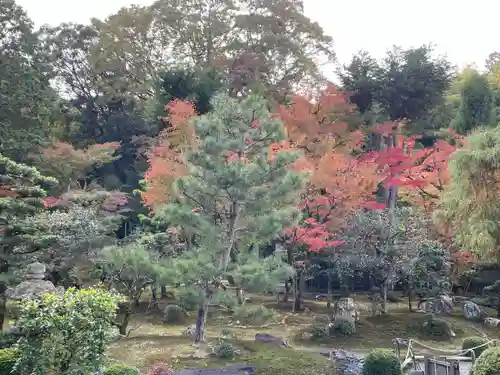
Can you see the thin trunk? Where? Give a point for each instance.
(298, 302)
(163, 291)
(233, 219)
(3, 304)
(329, 296)
(287, 291)
(124, 323)
(384, 296)
(239, 296)
(154, 290)
(201, 319)
(294, 291)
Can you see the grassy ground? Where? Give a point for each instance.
(153, 341)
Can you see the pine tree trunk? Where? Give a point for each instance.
(154, 290)
(329, 295)
(299, 288)
(239, 296)
(163, 291)
(384, 297)
(201, 319)
(3, 304)
(124, 324)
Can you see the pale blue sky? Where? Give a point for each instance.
(466, 31)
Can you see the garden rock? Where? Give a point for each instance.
(189, 331)
(34, 285)
(493, 322)
(346, 308)
(230, 370)
(266, 337)
(473, 312)
(346, 363)
(440, 305)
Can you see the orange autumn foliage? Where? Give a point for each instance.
(166, 161)
(317, 125)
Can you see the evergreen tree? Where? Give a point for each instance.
(21, 191)
(238, 194)
(475, 103)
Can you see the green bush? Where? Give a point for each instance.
(224, 349)
(488, 362)
(120, 370)
(381, 362)
(345, 327)
(189, 298)
(174, 314)
(318, 330)
(7, 340)
(322, 318)
(436, 327)
(254, 314)
(473, 342)
(8, 358)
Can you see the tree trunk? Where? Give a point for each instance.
(383, 291)
(239, 296)
(3, 304)
(163, 291)
(201, 319)
(124, 323)
(299, 288)
(154, 294)
(287, 291)
(329, 296)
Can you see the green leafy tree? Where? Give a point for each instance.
(65, 333)
(475, 107)
(469, 204)
(130, 270)
(238, 194)
(25, 93)
(22, 189)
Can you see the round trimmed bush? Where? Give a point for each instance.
(381, 362)
(119, 369)
(436, 327)
(160, 369)
(7, 340)
(318, 330)
(254, 314)
(224, 349)
(474, 342)
(8, 358)
(488, 362)
(345, 327)
(174, 314)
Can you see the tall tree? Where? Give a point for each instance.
(233, 196)
(470, 205)
(25, 93)
(475, 107)
(21, 191)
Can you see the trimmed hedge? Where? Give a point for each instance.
(381, 362)
(488, 362)
(473, 342)
(8, 358)
(120, 370)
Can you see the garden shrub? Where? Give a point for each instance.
(7, 340)
(322, 318)
(8, 358)
(224, 349)
(226, 333)
(344, 327)
(160, 369)
(120, 369)
(436, 327)
(318, 330)
(488, 362)
(381, 362)
(255, 314)
(473, 342)
(174, 314)
(189, 298)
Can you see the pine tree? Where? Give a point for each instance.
(237, 195)
(21, 191)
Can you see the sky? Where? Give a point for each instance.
(460, 30)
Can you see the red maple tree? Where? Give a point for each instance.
(165, 160)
